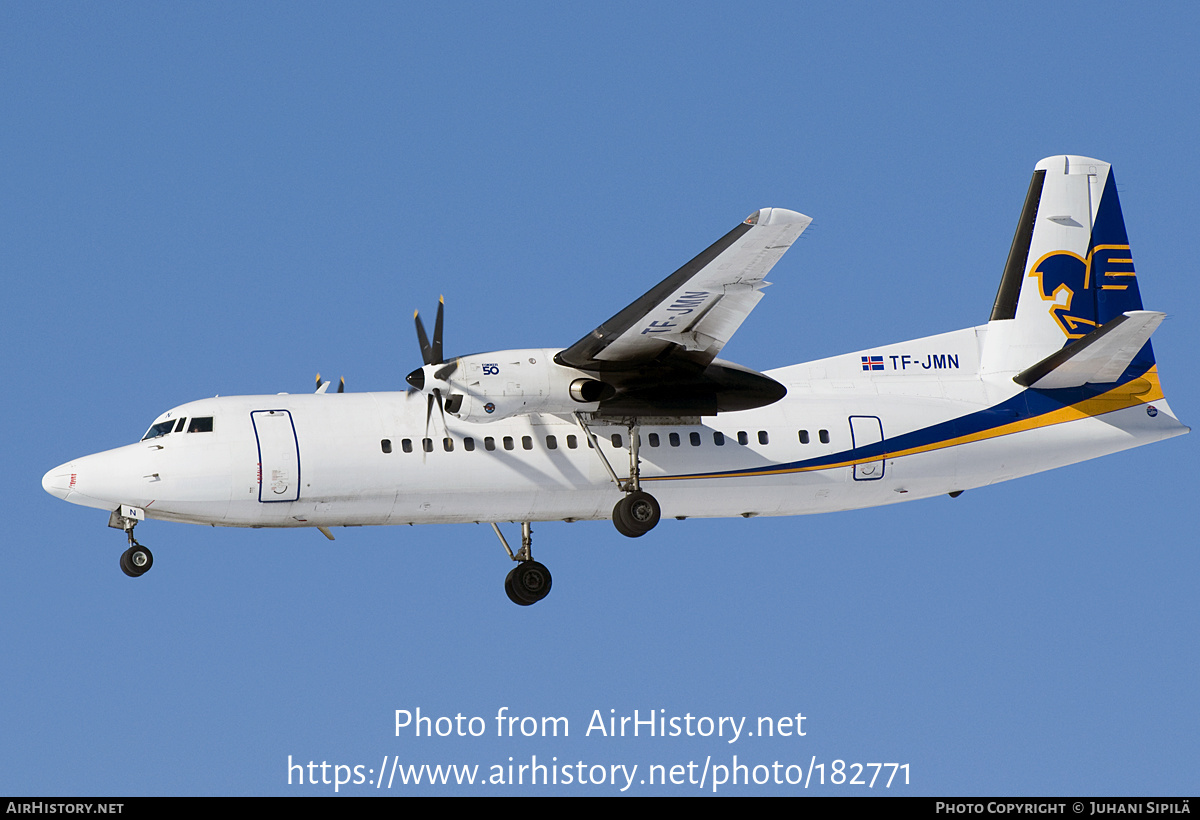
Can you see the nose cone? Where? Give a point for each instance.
(102, 480)
(60, 481)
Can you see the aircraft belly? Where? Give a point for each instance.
(536, 505)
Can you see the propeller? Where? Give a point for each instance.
(323, 386)
(431, 354)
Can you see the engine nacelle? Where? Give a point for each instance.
(489, 386)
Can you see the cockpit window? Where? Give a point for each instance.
(202, 424)
(160, 429)
(179, 425)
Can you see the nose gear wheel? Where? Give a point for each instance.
(136, 560)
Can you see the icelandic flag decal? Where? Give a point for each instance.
(872, 362)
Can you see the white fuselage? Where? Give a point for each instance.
(848, 435)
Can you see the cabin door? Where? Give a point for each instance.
(278, 456)
(864, 431)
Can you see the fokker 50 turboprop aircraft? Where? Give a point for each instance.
(640, 418)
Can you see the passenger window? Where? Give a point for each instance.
(694, 438)
(386, 445)
(572, 442)
(469, 444)
(616, 440)
(762, 437)
(527, 442)
(448, 444)
(204, 424)
(742, 437)
(406, 445)
(489, 443)
(551, 443)
(824, 434)
(804, 437)
(719, 439)
(508, 442)
(427, 445)
(674, 439)
(653, 439)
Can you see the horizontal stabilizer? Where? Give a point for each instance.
(1100, 357)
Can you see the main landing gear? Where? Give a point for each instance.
(634, 515)
(137, 560)
(638, 512)
(529, 581)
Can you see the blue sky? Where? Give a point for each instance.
(226, 198)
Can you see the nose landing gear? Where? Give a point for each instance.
(137, 560)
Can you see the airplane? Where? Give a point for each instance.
(639, 419)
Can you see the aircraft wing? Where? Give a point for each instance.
(689, 316)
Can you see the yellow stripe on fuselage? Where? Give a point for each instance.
(1142, 390)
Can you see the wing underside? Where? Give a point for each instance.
(694, 312)
(659, 353)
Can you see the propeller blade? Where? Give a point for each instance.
(431, 353)
(442, 372)
(438, 393)
(435, 395)
(436, 353)
(426, 350)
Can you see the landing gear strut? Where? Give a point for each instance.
(137, 560)
(528, 582)
(638, 512)
(634, 515)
